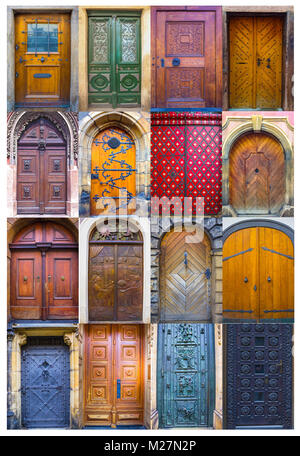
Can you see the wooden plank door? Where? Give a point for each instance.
(114, 375)
(45, 383)
(255, 53)
(185, 375)
(42, 60)
(187, 57)
(186, 279)
(41, 170)
(113, 171)
(114, 59)
(257, 175)
(259, 378)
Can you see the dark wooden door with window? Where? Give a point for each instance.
(115, 276)
(44, 273)
(41, 170)
(258, 275)
(114, 378)
(42, 60)
(187, 57)
(114, 59)
(255, 53)
(257, 175)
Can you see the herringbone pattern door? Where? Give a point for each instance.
(257, 175)
(185, 281)
(255, 62)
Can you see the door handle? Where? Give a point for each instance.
(246, 280)
(162, 63)
(25, 278)
(269, 279)
(118, 389)
(255, 288)
(269, 63)
(259, 61)
(185, 258)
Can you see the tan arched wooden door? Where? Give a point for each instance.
(113, 173)
(257, 175)
(185, 293)
(258, 274)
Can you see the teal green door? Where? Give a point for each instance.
(114, 73)
(186, 378)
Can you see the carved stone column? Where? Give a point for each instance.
(73, 341)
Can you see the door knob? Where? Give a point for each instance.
(162, 63)
(246, 280)
(269, 279)
(269, 62)
(255, 288)
(176, 62)
(259, 61)
(25, 278)
(185, 258)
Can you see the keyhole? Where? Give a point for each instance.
(257, 170)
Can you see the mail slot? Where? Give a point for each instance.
(42, 75)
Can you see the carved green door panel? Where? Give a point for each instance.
(186, 381)
(114, 59)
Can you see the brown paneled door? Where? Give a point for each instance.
(187, 67)
(42, 60)
(255, 53)
(41, 170)
(258, 275)
(44, 273)
(257, 175)
(114, 375)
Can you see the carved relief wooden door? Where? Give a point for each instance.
(114, 378)
(186, 379)
(45, 383)
(259, 381)
(259, 262)
(255, 51)
(185, 278)
(186, 162)
(257, 175)
(113, 178)
(114, 55)
(42, 60)
(44, 273)
(41, 170)
(115, 276)
(187, 57)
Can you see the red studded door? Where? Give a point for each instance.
(186, 161)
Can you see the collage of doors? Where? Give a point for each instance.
(150, 229)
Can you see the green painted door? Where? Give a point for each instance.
(114, 59)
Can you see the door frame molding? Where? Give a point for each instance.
(87, 225)
(234, 127)
(11, 12)
(288, 48)
(238, 226)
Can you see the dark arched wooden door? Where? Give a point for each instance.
(115, 275)
(257, 175)
(41, 170)
(44, 273)
(185, 292)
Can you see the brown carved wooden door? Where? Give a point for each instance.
(258, 275)
(257, 175)
(41, 170)
(42, 60)
(187, 57)
(115, 276)
(44, 273)
(114, 379)
(185, 278)
(255, 52)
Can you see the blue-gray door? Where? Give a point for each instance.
(186, 379)
(45, 383)
(259, 383)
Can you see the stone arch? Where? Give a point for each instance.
(253, 223)
(134, 124)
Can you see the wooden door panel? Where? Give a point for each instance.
(28, 179)
(186, 56)
(26, 289)
(62, 284)
(55, 185)
(42, 59)
(257, 175)
(241, 275)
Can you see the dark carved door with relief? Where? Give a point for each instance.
(45, 383)
(186, 59)
(44, 273)
(114, 379)
(186, 379)
(115, 276)
(259, 380)
(114, 53)
(41, 170)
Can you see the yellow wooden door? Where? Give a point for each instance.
(42, 60)
(113, 173)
